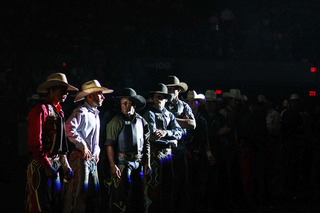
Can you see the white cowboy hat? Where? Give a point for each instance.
(53, 80)
(233, 93)
(173, 81)
(91, 87)
(210, 95)
(193, 95)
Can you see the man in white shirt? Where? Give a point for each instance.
(83, 130)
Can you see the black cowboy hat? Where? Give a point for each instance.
(127, 92)
(163, 90)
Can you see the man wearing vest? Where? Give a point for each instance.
(48, 147)
(128, 150)
(186, 120)
(83, 130)
(165, 133)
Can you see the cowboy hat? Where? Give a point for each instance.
(173, 81)
(139, 100)
(294, 97)
(192, 95)
(53, 80)
(210, 95)
(162, 89)
(91, 87)
(233, 93)
(262, 99)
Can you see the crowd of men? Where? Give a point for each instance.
(165, 152)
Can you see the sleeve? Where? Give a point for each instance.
(36, 117)
(150, 118)
(113, 130)
(188, 110)
(174, 130)
(146, 144)
(73, 128)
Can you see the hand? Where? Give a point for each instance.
(160, 133)
(188, 154)
(224, 130)
(115, 171)
(175, 143)
(146, 169)
(211, 160)
(86, 153)
(51, 172)
(68, 174)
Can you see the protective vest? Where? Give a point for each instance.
(53, 133)
(131, 137)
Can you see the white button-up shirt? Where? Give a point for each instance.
(83, 127)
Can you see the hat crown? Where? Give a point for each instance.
(173, 80)
(161, 88)
(210, 95)
(128, 92)
(57, 77)
(91, 84)
(294, 96)
(193, 95)
(235, 93)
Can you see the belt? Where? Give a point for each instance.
(130, 156)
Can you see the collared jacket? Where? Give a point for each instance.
(164, 120)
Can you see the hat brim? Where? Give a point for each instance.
(182, 85)
(139, 100)
(228, 95)
(43, 87)
(169, 96)
(80, 96)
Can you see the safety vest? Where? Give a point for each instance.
(131, 137)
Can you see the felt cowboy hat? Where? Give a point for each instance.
(162, 89)
(53, 80)
(294, 97)
(139, 100)
(210, 95)
(192, 95)
(91, 87)
(173, 81)
(233, 93)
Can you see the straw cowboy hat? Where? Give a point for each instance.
(233, 93)
(173, 81)
(162, 89)
(192, 95)
(53, 80)
(91, 87)
(139, 100)
(210, 95)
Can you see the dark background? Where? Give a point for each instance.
(268, 47)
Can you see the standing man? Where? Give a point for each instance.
(231, 152)
(128, 150)
(186, 120)
(47, 144)
(83, 129)
(199, 155)
(165, 133)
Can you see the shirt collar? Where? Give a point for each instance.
(95, 111)
(57, 108)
